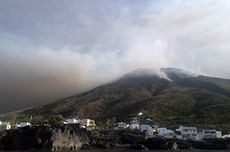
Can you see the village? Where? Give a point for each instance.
(142, 134)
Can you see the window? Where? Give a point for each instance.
(194, 135)
(178, 132)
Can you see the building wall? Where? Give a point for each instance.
(134, 126)
(23, 124)
(88, 123)
(188, 132)
(162, 131)
(72, 121)
(147, 129)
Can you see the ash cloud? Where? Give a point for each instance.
(53, 49)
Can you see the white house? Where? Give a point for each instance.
(211, 134)
(148, 127)
(5, 126)
(187, 133)
(167, 133)
(23, 124)
(134, 124)
(72, 121)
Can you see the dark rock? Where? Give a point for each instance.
(27, 138)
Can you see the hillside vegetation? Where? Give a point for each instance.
(181, 98)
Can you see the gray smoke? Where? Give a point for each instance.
(53, 49)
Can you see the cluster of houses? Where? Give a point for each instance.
(147, 126)
(183, 132)
(7, 126)
(88, 124)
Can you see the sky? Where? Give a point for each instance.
(51, 49)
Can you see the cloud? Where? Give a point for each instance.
(50, 50)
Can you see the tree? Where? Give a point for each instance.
(11, 117)
(56, 120)
(37, 120)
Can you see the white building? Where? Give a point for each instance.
(167, 133)
(72, 121)
(162, 131)
(219, 134)
(147, 127)
(5, 126)
(211, 134)
(134, 124)
(226, 136)
(187, 133)
(23, 124)
(89, 124)
(170, 134)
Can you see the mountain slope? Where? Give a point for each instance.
(178, 98)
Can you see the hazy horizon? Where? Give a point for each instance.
(53, 49)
